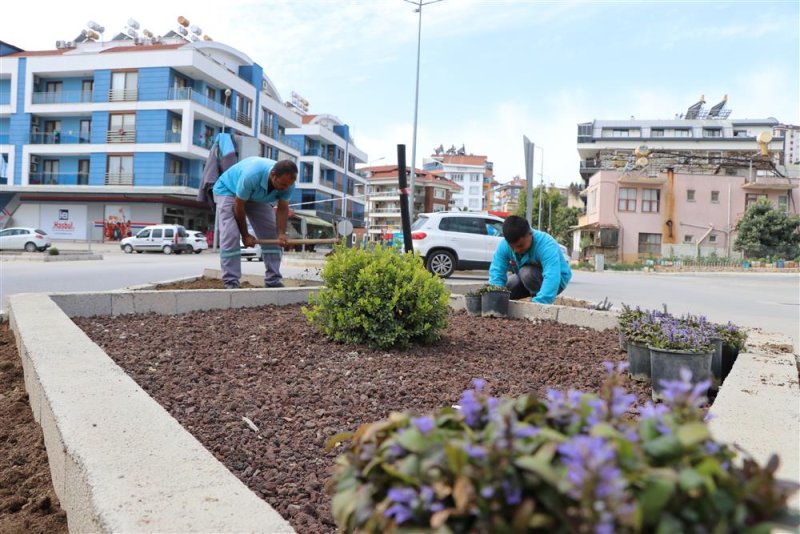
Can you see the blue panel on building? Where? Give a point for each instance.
(97, 169)
(102, 85)
(151, 126)
(5, 91)
(99, 127)
(149, 168)
(154, 83)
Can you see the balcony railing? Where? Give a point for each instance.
(181, 180)
(172, 137)
(63, 97)
(202, 141)
(186, 93)
(51, 138)
(771, 182)
(119, 178)
(123, 95)
(121, 136)
(58, 178)
(241, 118)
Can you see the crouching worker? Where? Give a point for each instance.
(540, 269)
(246, 191)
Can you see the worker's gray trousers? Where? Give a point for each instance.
(261, 217)
(528, 282)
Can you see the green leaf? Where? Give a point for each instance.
(336, 439)
(656, 495)
(693, 433)
(538, 466)
(663, 446)
(412, 440)
(689, 479)
(604, 430)
(343, 505)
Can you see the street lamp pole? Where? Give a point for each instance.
(419, 4)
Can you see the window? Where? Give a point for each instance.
(657, 132)
(683, 132)
(715, 197)
(87, 88)
(690, 195)
(493, 227)
(752, 198)
(476, 178)
(474, 204)
(466, 225)
(650, 198)
(475, 190)
(438, 192)
(157, 233)
(120, 170)
(627, 199)
(83, 172)
(85, 135)
(650, 244)
(211, 94)
(124, 86)
(688, 238)
(457, 177)
(712, 238)
(121, 128)
(783, 203)
(50, 175)
(143, 233)
(712, 132)
(53, 87)
(740, 133)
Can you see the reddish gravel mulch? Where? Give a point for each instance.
(28, 502)
(269, 365)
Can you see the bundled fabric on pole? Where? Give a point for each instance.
(223, 154)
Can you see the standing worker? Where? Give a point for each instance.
(246, 192)
(540, 269)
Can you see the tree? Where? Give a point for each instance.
(765, 231)
(558, 222)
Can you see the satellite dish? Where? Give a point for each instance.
(764, 137)
(641, 151)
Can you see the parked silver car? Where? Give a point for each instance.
(27, 239)
(166, 238)
(197, 240)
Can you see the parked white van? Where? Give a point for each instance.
(166, 238)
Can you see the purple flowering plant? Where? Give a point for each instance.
(733, 337)
(568, 462)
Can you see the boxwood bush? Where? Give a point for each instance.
(381, 297)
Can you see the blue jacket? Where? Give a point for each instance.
(544, 251)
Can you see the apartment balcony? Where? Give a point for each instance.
(118, 178)
(324, 155)
(770, 183)
(242, 118)
(121, 136)
(643, 180)
(186, 93)
(203, 142)
(181, 180)
(168, 180)
(52, 138)
(123, 95)
(63, 97)
(58, 178)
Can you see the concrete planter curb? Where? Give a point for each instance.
(45, 257)
(120, 462)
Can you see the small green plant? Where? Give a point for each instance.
(489, 288)
(733, 337)
(382, 298)
(53, 251)
(572, 462)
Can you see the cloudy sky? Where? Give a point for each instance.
(491, 70)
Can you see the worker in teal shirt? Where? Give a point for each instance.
(246, 193)
(540, 269)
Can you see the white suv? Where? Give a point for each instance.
(450, 240)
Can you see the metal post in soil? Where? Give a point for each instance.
(405, 217)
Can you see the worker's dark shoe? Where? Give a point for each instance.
(231, 285)
(274, 286)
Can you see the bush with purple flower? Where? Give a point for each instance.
(569, 462)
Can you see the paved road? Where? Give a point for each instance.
(769, 301)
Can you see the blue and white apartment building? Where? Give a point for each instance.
(93, 133)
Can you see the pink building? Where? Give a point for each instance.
(633, 216)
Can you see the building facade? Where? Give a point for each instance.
(505, 197)
(473, 173)
(431, 193)
(97, 134)
(679, 187)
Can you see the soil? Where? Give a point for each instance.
(28, 502)
(216, 283)
(268, 365)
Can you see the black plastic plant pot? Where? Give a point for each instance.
(666, 364)
(729, 355)
(473, 304)
(495, 304)
(716, 359)
(639, 361)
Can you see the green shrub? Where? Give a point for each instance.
(382, 298)
(569, 463)
(53, 251)
(489, 288)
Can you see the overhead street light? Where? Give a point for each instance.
(420, 4)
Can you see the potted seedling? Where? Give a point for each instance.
(639, 333)
(473, 301)
(683, 343)
(626, 317)
(733, 341)
(494, 301)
